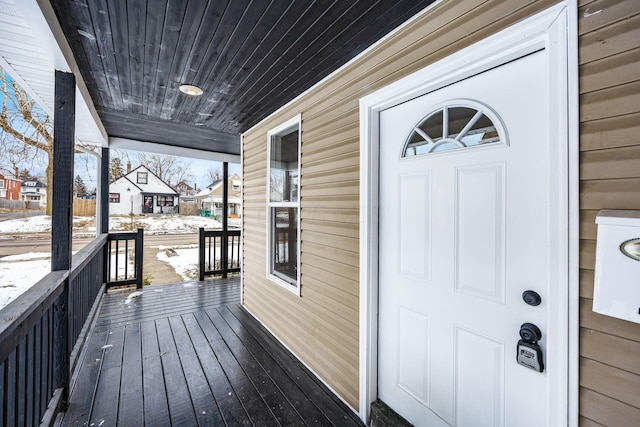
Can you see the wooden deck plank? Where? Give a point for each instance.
(204, 404)
(156, 299)
(180, 407)
(188, 356)
(293, 393)
(84, 388)
(228, 403)
(331, 406)
(251, 400)
(153, 304)
(131, 410)
(168, 308)
(272, 395)
(107, 396)
(156, 408)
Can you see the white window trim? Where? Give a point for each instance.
(291, 123)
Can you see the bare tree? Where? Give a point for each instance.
(27, 129)
(214, 174)
(115, 168)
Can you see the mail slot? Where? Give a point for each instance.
(617, 275)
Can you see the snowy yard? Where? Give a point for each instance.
(183, 260)
(19, 272)
(162, 224)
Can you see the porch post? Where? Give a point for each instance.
(104, 191)
(224, 256)
(62, 220)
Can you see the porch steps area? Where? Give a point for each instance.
(189, 354)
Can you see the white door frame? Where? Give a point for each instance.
(554, 29)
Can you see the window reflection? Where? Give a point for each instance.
(285, 242)
(284, 168)
(450, 128)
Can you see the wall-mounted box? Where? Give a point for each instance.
(617, 277)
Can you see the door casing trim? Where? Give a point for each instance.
(554, 29)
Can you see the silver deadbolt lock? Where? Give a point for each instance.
(529, 352)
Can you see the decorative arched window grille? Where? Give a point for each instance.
(454, 125)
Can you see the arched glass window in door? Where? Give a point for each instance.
(455, 125)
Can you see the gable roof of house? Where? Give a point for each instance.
(33, 183)
(125, 178)
(215, 188)
(185, 184)
(164, 189)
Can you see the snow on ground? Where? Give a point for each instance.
(19, 272)
(160, 224)
(30, 256)
(34, 224)
(184, 262)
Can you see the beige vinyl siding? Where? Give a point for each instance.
(609, 57)
(321, 326)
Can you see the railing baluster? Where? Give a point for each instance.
(201, 260)
(223, 253)
(117, 258)
(212, 259)
(139, 257)
(126, 259)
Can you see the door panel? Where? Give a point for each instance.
(462, 234)
(480, 229)
(414, 226)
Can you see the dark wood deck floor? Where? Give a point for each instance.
(188, 355)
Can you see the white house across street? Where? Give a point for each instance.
(141, 192)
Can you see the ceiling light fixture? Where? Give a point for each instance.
(191, 90)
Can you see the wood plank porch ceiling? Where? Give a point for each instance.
(250, 57)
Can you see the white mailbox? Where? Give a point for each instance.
(617, 276)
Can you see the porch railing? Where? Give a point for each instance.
(41, 333)
(218, 252)
(124, 260)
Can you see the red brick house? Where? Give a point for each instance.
(10, 185)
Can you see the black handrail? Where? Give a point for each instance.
(32, 388)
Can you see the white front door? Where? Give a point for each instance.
(464, 231)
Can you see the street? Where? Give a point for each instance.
(42, 243)
(21, 214)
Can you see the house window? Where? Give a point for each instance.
(142, 177)
(164, 201)
(283, 205)
(114, 197)
(1, 183)
(452, 126)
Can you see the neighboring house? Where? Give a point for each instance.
(209, 199)
(185, 191)
(35, 192)
(141, 192)
(10, 185)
